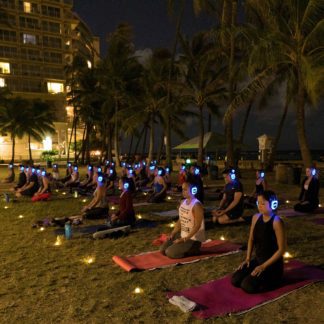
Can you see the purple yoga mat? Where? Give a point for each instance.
(219, 297)
(318, 221)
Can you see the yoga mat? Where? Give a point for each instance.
(155, 260)
(113, 199)
(289, 212)
(142, 204)
(318, 221)
(219, 297)
(81, 230)
(174, 213)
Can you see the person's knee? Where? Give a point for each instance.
(172, 253)
(222, 220)
(249, 285)
(236, 280)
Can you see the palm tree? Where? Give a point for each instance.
(14, 120)
(39, 122)
(203, 84)
(290, 43)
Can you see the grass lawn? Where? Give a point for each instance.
(43, 283)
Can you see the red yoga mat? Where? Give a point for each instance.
(154, 260)
(219, 297)
(290, 212)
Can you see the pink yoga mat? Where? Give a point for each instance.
(289, 212)
(154, 260)
(113, 199)
(219, 297)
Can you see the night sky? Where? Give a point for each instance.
(154, 28)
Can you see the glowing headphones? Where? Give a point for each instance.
(75, 168)
(22, 168)
(123, 164)
(38, 171)
(160, 171)
(152, 167)
(262, 174)
(126, 185)
(197, 171)
(112, 163)
(55, 166)
(111, 171)
(144, 163)
(99, 169)
(69, 164)
(100, 179)
(167, 170)
(90, 168)
(194, 190)
(273, 201)
(131, 171)
(183, 167)
(33, 170)
(232, 174)
(43, 173)
(10, 166)
(313, 172)
(107, 162)
(27, 168)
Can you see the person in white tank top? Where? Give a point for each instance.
(189, 231)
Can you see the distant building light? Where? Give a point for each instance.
(89, 64)
(47, 143)
(4, 68)
(55, 87)
(27, 7)
(2, 82)
(29, 39)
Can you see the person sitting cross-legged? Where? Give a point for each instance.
(189, 231)
(231, 206)
(267, 237)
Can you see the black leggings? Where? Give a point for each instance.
(304, 208)
(269, 279)
(96, 213)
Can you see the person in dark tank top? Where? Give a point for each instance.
(267, 238)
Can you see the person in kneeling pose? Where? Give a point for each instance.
(308, 198)
(189, 231)
(126, 213)
(268, 238)
(44, 191)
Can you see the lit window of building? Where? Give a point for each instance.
(29, 39)
(2, 82)
(27, 7)
(89, 64)
(4, 68)
(55, 87)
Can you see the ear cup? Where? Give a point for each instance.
(194, 190)
(274, 204)
(313, 172)
(126, 185)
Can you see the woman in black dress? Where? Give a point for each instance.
(268, 238)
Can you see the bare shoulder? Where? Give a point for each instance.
(255, 217)
(277, 222)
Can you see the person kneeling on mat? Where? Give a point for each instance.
(308, 198)
(44, 191)
(126, 213)
(268, 238)
(189, 231)
(231, 206)
(98, 207)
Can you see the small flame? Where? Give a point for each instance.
(58, 241)
(89, 260)
(222, 238)
(169, 198)
(42, 229)
(21, 216)
(63, 193)
(84, 200)
(139, 216)
(6, 207)
(138, 290)
(287, 255)
(171, 225)
(287, 201)
(113, 208)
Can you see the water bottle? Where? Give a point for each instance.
(75, 194)
(7, 198)
(68, 230)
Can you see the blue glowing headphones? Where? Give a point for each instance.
(27, 168)
(197, 171)
(10, 166)
(194, 190)
(126, 185)
(75, 168)
(183, 167)
(232, 174)
(144, 163)
(55, 166)
(152, 167)
(90, 167)
(160, 171)
(273, 201)
(100, 178)
(22, 168)
(107, 162)
(313, 172)
(69, 164)
(262, 174)
(112, 163)
(43, 173)
(99, 169)
(33, 170)
(111, 171)
(167, 170)
(123, 164)
(131, 171)
(38, 171)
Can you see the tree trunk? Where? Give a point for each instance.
(201, 137)
(301, 131)
(13, 148)
(151, 145)
(139, 140)
(75, 141)
(160, 150)
(116, 137)
(209, 122)
(144, 142)
(229, 121)
(83, 144)
(273, 153)
(110, 133)
(168, 119)
(130, 146)
(70, 141)
(29, 149)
